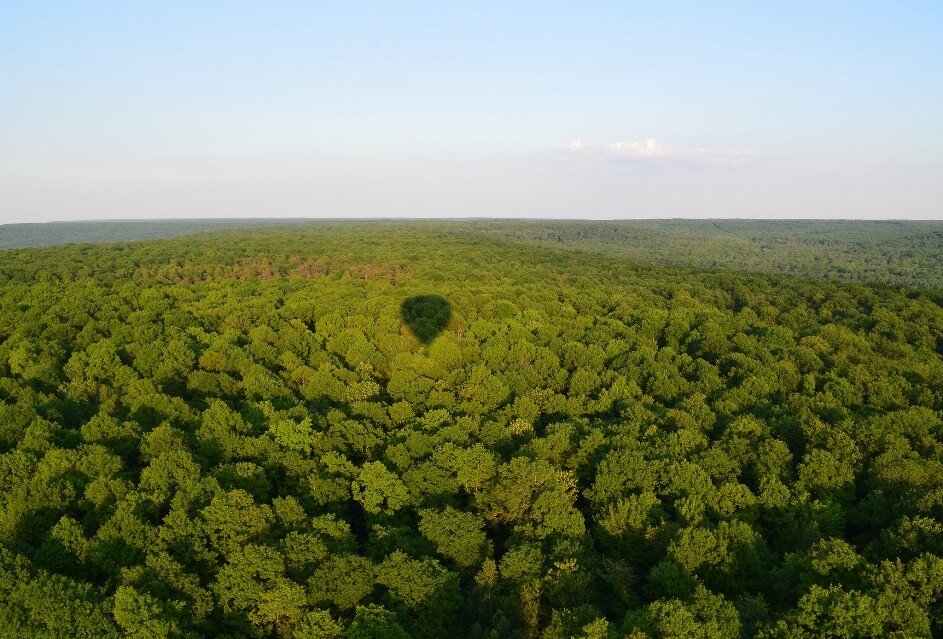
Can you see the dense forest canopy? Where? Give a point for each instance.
(474, 430)
(889, 252)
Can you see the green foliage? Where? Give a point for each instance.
(374, 622)
(40, 604)
(457, 535)
(241, 434)
(378, 489)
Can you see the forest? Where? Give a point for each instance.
(523, 430)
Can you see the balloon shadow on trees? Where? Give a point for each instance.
(426, 316)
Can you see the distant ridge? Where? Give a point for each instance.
(31, 235)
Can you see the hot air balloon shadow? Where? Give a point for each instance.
(426, 316)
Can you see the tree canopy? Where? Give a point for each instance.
(437, 430)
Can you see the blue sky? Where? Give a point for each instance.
(549, 109)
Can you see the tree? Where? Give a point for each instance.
(253, 582)
(378, 489)
(457, 535)
(374, 622)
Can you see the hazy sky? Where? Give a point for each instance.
(536, 109)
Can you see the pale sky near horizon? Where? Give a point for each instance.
(506, 109)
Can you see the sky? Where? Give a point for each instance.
(600, 110)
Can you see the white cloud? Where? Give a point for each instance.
(651, 149)
(575, 146)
